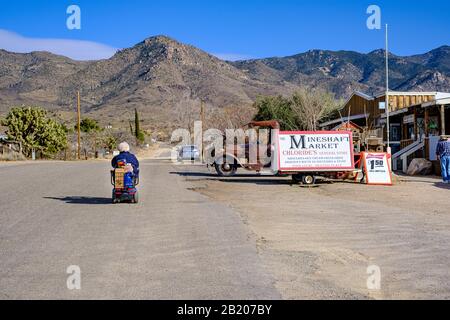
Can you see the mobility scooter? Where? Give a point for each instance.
(124, 181)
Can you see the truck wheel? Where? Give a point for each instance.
(297, 178)
(308, 179)
(225, 169)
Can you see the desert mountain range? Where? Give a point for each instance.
(160, 76)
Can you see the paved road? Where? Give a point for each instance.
(175, 244)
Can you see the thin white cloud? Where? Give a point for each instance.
(232, 56)
(74, 49)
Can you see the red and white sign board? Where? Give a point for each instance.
(377, 168)
(315, 151)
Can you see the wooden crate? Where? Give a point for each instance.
(119, 177)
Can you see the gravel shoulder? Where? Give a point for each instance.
(319, 242)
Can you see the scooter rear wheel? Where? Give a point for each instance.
(114, 199)
(136, 197)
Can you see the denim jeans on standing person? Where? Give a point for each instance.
(445, 168)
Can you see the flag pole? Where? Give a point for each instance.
(387, 93)
(78, 125)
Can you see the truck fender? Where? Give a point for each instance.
(221, 158)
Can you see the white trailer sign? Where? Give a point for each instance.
(315, 151)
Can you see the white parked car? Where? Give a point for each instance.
(189, 152)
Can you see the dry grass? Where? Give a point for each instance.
(13, 156)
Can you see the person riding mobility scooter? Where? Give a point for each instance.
(125, 176)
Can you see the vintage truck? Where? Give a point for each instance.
(302, 154)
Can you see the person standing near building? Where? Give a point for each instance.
(443, 154)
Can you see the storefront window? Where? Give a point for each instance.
(396, 134)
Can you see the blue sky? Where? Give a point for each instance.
(232, 29)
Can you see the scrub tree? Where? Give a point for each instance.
(139, 134)
(35, 130)
(89, 125)
(277, 108)
(310, 106)
(304, 110)
(91, 133)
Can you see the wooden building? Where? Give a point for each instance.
(416, 121)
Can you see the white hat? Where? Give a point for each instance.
(124, 147)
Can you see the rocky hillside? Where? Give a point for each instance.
(344, 71)
(161, 76)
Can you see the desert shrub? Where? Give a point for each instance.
(32, 127)
(277, 108)
(12, 156)
(88, 125)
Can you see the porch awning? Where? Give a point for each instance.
(344, 119)
(394, 113)
(438, 102)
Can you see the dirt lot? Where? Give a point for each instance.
(319, 242)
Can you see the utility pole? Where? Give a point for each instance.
(202, 119)
(202, 112)
(387, 94)
(79, 125)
